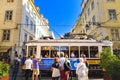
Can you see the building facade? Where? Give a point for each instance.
(20, 21)
(100, 19)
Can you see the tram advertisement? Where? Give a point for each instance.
(46, 63)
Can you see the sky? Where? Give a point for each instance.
(61, 14)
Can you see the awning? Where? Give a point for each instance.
(4, 48)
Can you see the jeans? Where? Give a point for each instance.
(14, 74)
(27, 74)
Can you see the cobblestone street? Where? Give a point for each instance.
(20, 76)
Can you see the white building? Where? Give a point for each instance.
(23, 22)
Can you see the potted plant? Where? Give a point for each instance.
(4, 71)
(110, 64)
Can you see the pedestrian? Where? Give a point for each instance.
(8, 59)
(55, 69)
(20, 57)
(35, 68)
(23, 65)
(73, 54)
(23, 60)
(29, 65)
(20, 68)
(15, 67)
(83, 56)
(47, 55)
(64, 75)
(82, 70)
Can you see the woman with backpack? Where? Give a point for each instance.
(64, 73)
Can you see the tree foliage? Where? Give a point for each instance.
(110, 63)
(4, 68)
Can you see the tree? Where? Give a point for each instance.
(110, 63)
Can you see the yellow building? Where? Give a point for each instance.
(101, 20)
(18, 20)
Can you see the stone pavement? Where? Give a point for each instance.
(21, 76)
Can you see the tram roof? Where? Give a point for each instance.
(67, 41)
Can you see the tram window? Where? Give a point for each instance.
(54, 51)
(65, 49)
(32, 50)
(74, 51)
(94, 52)
(84, 50)
(45, 51)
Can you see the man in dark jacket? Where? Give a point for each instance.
(15, 67)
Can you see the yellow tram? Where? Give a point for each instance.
(47, 49)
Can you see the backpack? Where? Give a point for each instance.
(16, 64)
(87, 64)
(67, 66)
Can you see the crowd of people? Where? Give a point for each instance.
(57, 68)
(59, 72)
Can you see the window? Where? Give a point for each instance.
(115, 34)
(112, 14)
(26, 20)
(6, 34)
(34, 29)
(84, 50)
(93, 19)
(94, 52)
(88, 11)
(85, 17)
(27, 5)
(8, 15)
(92, 5)
(87, 27)
(10, 0)
(31, 25)
(110, 0)
(83, 21)
(25, 37)
(74, 51)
